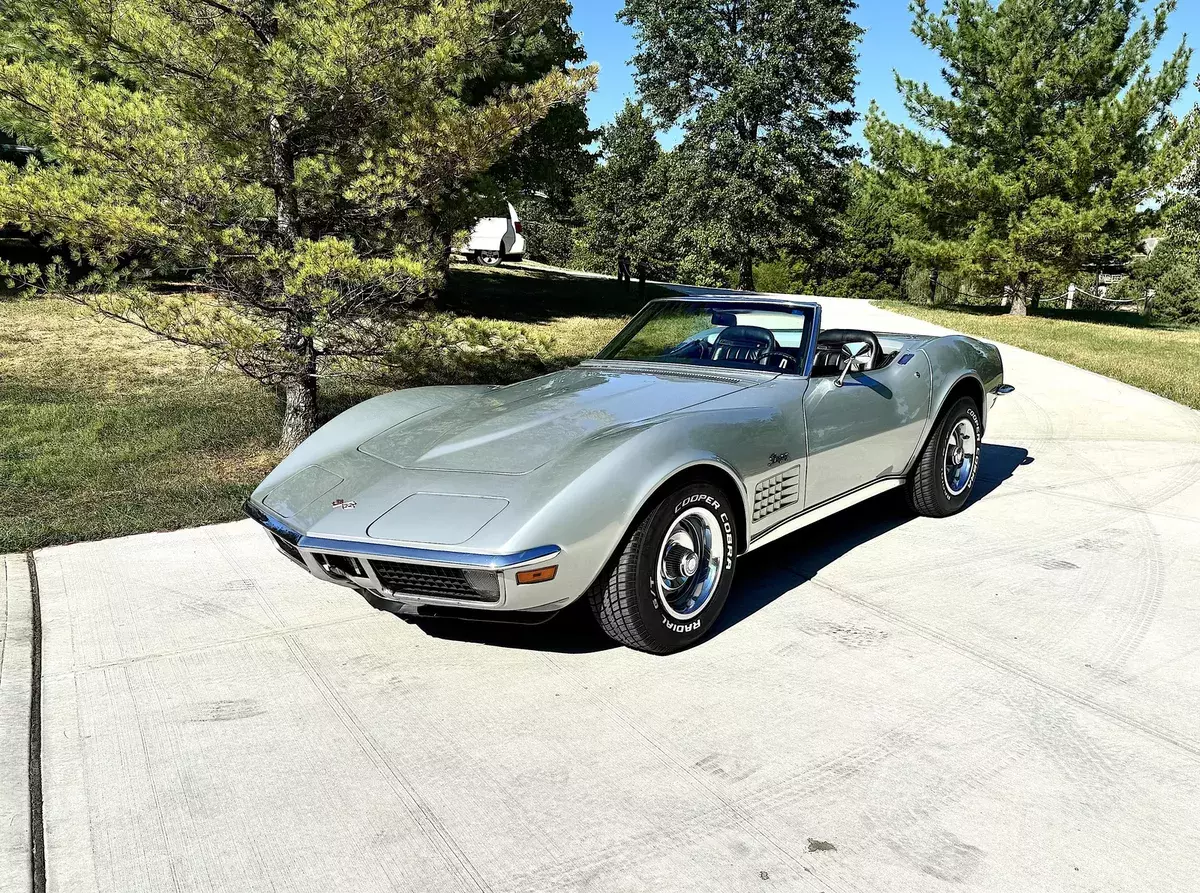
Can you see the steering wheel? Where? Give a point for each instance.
(835, 340)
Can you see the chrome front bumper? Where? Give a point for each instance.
(484, 582)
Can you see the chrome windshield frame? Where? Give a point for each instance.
(810, 310)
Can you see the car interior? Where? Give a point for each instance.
(728, 342)
(758, 337)
(758, 346)
(831, 356)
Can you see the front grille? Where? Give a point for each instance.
(775, 493)
(438, 582)
(287, 547)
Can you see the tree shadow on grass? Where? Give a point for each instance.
(1126, 318)
(765, 575)
(538, 296)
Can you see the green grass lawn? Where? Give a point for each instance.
(1161, 359)
(580, 315)
(106, 431)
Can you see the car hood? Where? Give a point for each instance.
(517, 429)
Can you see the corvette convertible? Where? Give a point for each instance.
(710, 426)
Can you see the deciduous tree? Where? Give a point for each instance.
(621, 204)
(763, 91)
(294, 154)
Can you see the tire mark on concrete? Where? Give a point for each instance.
(912, 828)
(1130, 510)
(149, 769)
(1193, 473)
(419, 811)
(999, 555)
(265, 603)
(1071, 749)
(1148, 594)
(837, 769)
(1163, 735)
(723, 806)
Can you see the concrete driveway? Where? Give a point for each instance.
(1005, 700)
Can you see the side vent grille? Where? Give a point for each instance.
(775, 493)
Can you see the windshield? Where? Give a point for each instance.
(728, 334)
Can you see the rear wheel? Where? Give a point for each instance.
(490, 258)
(666, 587)
(942, 480)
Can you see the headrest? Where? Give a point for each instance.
(838, 337)
(754, 336)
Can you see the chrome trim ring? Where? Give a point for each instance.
(962, 448)
(689, 564)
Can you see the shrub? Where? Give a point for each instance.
(441, 348)
(549, 242)
(1173, 275)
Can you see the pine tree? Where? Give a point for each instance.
(297, 155)
(1049, 145)
(1172, 271)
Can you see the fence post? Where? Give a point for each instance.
(1071, 296)
(1146, 309)
(933, 285)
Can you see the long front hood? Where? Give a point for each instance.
(517, 429)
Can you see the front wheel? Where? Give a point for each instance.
(942, 480)
(489, 258)
(666, 587)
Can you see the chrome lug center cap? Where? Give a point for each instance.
(680, 564)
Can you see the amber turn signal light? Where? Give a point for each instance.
(539, 575)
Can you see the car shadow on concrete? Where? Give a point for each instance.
(572, 631)
(780, 567)
(763, 576)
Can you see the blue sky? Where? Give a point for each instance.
(888, 46)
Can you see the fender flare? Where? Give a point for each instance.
(689, 468)
(936, 416)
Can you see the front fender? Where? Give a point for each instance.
(620, 473)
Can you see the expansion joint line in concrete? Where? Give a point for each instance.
(37, 832)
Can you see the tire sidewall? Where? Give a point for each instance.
(670, 633)
(962, 409)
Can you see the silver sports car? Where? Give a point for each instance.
(710, 426)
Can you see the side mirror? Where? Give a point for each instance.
(856, 356)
